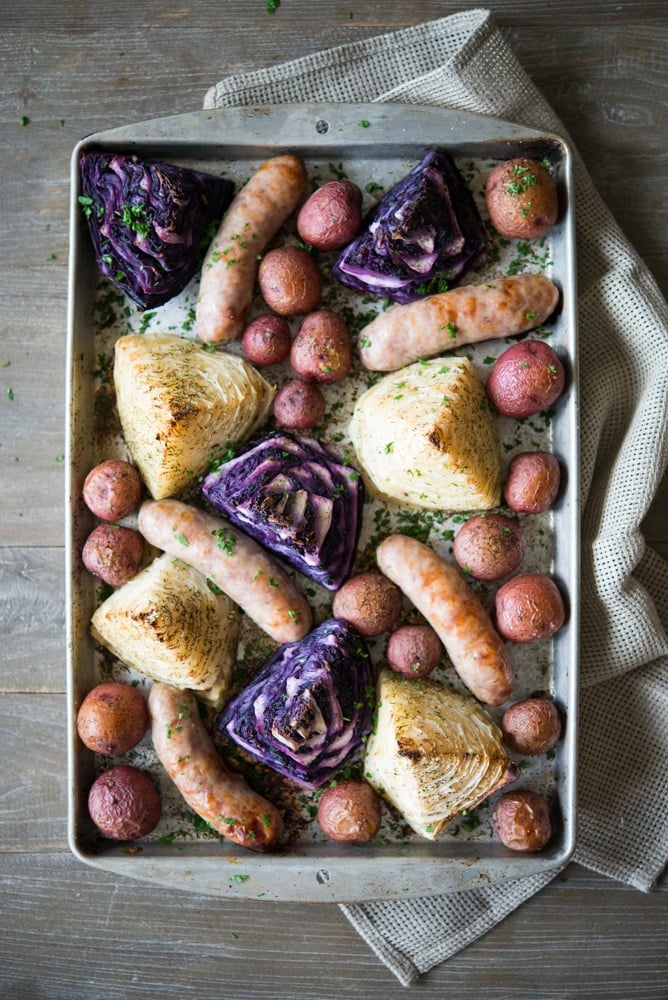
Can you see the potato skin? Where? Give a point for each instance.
(113, 489)
(267, 340)
(124, 803)
(299, 405)
(533, 481)
(369, 602)
(113, 553)
(526, 379)
(332, 216)
(529, 607)
(522, 820)
(532, 726)
(112, 718)
(414, 650)
(522, 199)
(349, 812)
(489, 546)
(322, 349)
(290, 281)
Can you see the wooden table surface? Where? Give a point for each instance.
(69, 931)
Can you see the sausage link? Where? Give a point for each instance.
(465, 315)
(454, 611)
(233, 561)
(189, 757)
(230, 266)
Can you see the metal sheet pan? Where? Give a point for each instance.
(377, 142)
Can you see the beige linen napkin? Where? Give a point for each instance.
(463, 62)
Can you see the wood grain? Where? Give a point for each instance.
(72, 932)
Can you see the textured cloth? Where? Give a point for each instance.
(463, 62)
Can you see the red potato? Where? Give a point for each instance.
(124, 803)
(533, 482)
(332, 216)
(489, 546)
(532, 726)
(299, 405)
(529, 607)
(113, 553)
(322, 349)
(112, 718)
(290, 281)
(112, 490)
(349, 812)
(414, 650)
(369, 602)
(522, 820)
(525, 379)
(267, 340)
(522, 199)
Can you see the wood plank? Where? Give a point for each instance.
(122, 939)
(32, 620)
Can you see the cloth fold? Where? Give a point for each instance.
(463, 62)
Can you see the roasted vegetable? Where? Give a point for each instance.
(309, 708)
(425, 437)
(150, 222)
(168, 624)
(292, 494)
(433, 753)
(179, 404)
(421, 237)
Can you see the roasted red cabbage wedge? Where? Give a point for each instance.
(421, 237)
(297, 498)
(309, 708)
(150, 222)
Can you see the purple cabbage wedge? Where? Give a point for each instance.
(421, 237)
(309, 708)
(294, 496)
(150, 222)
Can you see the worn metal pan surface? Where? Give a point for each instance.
(373, 145)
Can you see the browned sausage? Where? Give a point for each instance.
(233, 561)
(455, 613)
(501, 308)
(230, 266)
(189, 757)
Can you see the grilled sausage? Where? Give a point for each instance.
(230, 266)
(190, 759)
(423, 329)
(233, 561)
(455, 613)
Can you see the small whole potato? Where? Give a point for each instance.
(322, 349)
(525, 379)
(532, 483)
(290, 281)
(522, 820)
(267, 340)
(332, 216)
(529, 607)
(112, 718)
(489, 546)
(112, 490)
(113, 553)
(124, 803)
(414, 650)
(532, 726)
(369, 602)
(299, 405)
(522, 199)
(349, 812)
